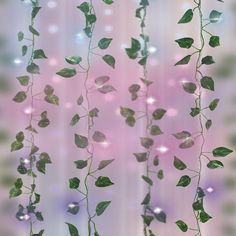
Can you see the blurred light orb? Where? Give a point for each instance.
(27, 1)
(52, 4)
(68, 105)
(150, 100)
(26, 161)
(186, 6)
(124, 45)
(210, 190)
(24, 217)
(17, 61)
(53, 62)
(171, 112)
(53, 29)
(28, 110)
(157, 210)
(108, 28)
(105, 144)
(162, 149)
(152, 49)
(108, 12)
(72, 205)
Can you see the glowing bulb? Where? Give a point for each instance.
(24, 217)
(152, 49)
(17, 61)
(105, 144)
(158, 210)
(108, 12)
(210, 190)
(28, 110)
(52, 4)
(53, 29)
(26, 161)
(108, 28)
(72, 205)
(150, 100)
(162, 149)
(171, 112)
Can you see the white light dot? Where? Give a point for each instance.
(152, 49)
(28, 110)
(171, 112)
(151, 100)
(210, 190)
(27, 1)
(26, 161)
(53, 62)
(52, 4)
(105, 144)
(158, 210)
(17, 61)
(108, 28)
(162, 149)
(53, 29)
(25, 217)
(124, 45)
(108, 12)
(71, 205)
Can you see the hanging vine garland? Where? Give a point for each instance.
(86, 142)
(139, 52)
(35, 160)
(202, 82)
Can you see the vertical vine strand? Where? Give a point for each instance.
(35, 160)
(139, 51)
(84, 102)
(187, 139)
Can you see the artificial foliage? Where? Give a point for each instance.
(33, 160)
(203, 83)
(85, 141)
(138, 51)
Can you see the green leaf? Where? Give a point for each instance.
(18, 183)
(81, 164)
(104, 43)
(106, 89)
(134, 88)
(75, 119)
(48, 90)
(40, 233)
(80, 100)
(161, 217)
(156, 161)
(53, 99)
(184, 60)
(39, 54)
(23, 80)
(15, 192)
(146, 200)
(39, 216)
(204, 217)
(104, 164)
(195, 111)
(214, 104)
(160, 174)
(22, 169)
(33, 31)
(147, 180)
(94, 112)
(73, 208)
(187, 17)
(155, 130)
(215, 164)
(147, 219)
(189, 87)
(103, 182)
(101, 80)
(130, 121)
(108, 2)
(208, 124)
(33, 68)
(185, 42)
(135, 44)
(214, 41)
(45, 158)
(215, 16)
(20, 97)
(141, 157)
(158, 114)
(146, 142)
(110, 60)
(20, 36)
(221, 152)
(41, 166)
(99, 137)
(74, 183)
(208, 60)
(187, 143)
(126, 112)
(35, 11)
(182, 135)
(67, 72)
(73, 230)
(184, 181)
(91, 18)
(182, 225)
(198, 205)
(81, 141)
(73, 60)
(101, 207)
(132, 54)
(24, 50)
(43, 123)
(180, 165)
(16, 146)
(143, 61)
(84, 7)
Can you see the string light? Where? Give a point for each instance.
(152, 49)
(210, 190)
(158, 210)
(108, 12)
(162, 149)
(52, 4)
(53, 29)
(17, 61)
(150, 100)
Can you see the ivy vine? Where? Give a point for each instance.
(139, 51)
(35, 160)
(86, 141)
(202, 82)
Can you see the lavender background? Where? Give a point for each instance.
(60, 25)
